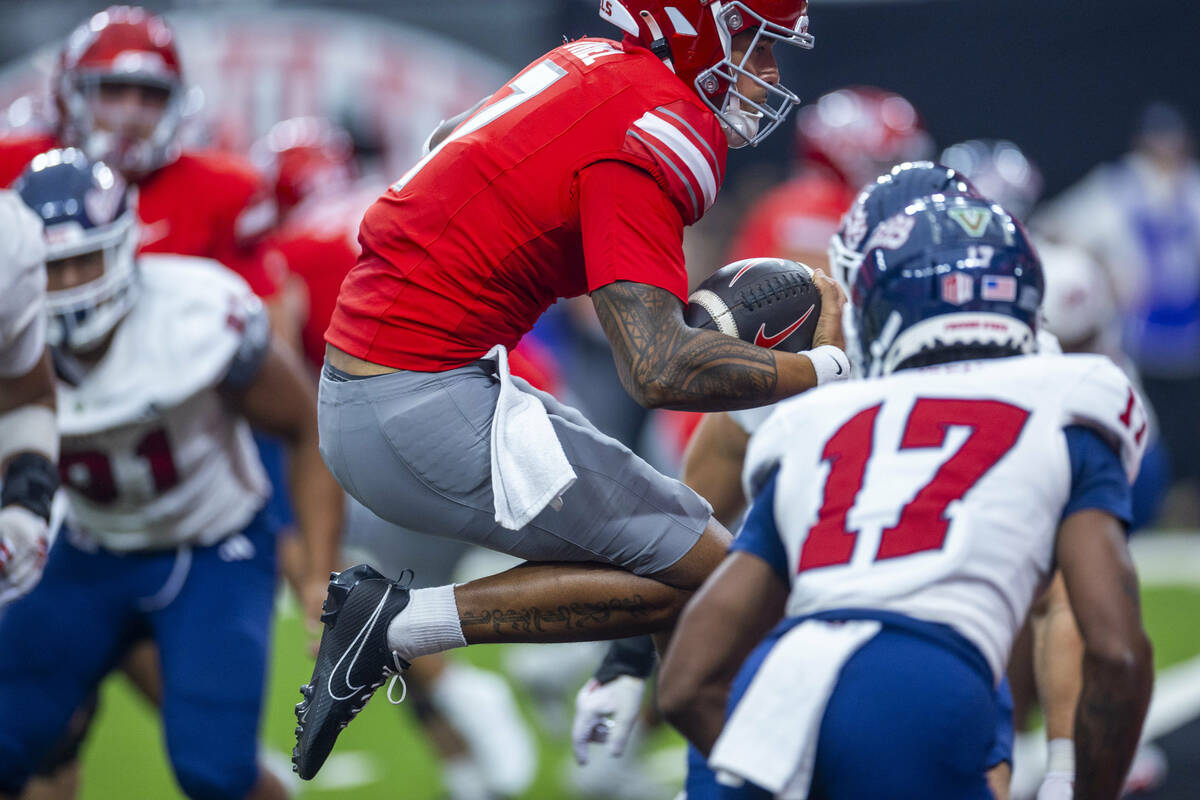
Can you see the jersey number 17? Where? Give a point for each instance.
(922, 524)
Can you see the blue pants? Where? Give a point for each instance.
(913, 715)
(278, 509)
(208, 610)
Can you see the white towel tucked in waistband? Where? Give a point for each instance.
(529, 468)
(771, 738)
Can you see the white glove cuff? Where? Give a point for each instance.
(1060, 756)
(829, 362)
(28, 428)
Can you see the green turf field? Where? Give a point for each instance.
(125, 757)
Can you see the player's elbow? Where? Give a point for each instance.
(653, 394)
(1129, 656)
(646, 387)
(676, 695)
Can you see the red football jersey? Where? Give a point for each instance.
(582, 171)
(318, 240)
(211, 205)
(794, 220)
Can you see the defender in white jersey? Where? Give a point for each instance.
(902, 527)
(28, 440)
(163, 363)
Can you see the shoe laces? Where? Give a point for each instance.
(396, 676)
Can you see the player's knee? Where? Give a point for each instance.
(690, 571)
(203, 778)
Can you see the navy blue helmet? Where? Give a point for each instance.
(887, 196)
(946, 279)
(86, 208)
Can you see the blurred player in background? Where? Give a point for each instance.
(119, 92)
(1000, 170)
(1140, 217)
(1080, 309)
(161, 362)
(907, 551)
(468, 714)
(842, 142)
(28, 435)
(620, 146)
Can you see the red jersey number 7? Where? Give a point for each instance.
(922, 525)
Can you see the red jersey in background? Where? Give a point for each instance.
(205, 204)
(794, 220)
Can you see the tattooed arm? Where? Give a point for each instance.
(1118, 671)
(742, 600)
(664, 363)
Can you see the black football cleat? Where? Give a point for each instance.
(353, 661)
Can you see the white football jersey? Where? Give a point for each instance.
(153, 456)
(23, 282)
(937, 493)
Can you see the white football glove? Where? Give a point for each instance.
(1057, 786)
(24, 538)
(606, 712)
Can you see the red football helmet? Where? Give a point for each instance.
(694, 38)
(303, 154)
(122, 46)
(860, 132)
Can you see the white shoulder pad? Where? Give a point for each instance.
(751, 419)
(199, 309)
(1047, 343)
(178, 340)
(23, 278)
(1104, 400)
(767, 445)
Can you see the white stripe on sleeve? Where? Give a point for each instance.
(678, 142)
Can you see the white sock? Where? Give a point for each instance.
(428, 624)
(463, 781)
(1060, 756)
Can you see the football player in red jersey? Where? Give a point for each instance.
(578, 176)
(119, 92)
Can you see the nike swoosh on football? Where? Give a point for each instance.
(741, 272)
(762, 340)
(360, 640)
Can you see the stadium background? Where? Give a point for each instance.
(1065, 80)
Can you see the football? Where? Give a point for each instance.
(770, 302)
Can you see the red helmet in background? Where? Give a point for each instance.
(121, 46)
(303, 154)
(694, 38)
(860, 132)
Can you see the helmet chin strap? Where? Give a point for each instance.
(740, 126)
(658, 45)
